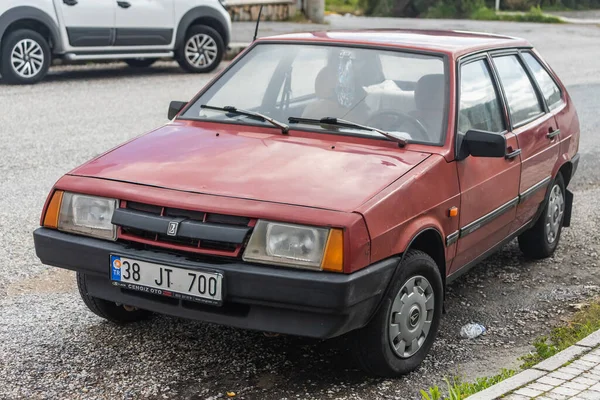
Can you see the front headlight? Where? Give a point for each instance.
(294, 245)
(82, 214)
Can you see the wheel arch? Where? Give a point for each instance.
(428, 240)
(566, 170)
(201, 15)
(25, 17)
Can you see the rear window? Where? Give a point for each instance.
(549, 88)
(523, 102)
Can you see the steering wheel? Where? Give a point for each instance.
(398, 118)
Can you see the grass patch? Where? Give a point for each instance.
(344, 7)
(535, 14)
(448, 10)
(584, 322)
(458, 390)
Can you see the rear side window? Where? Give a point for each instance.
(549, 88)
(523, 103)
(479, 105)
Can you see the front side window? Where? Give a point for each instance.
(479, 106)
(399, 92)
(523, 103)
(547, 85)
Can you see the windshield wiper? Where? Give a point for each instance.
(347, 124)
(230, 109)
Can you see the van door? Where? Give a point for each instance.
(144, 22)
(88, 23)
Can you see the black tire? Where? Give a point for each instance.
(201, 30)
(9, 73)
(140, 62)
(107, 309)
(535, 242)
(371, 345)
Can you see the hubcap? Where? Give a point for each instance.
(201, 50)
(27, 58)
(411, 316)
(554, 216)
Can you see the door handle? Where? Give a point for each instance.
(552, 133)
(124, 4)
(70, 2)
(512, 154)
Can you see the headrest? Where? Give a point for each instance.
(430, 92)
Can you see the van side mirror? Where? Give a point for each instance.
(175, 107)
(483, 144)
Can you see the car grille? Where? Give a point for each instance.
(198, 232)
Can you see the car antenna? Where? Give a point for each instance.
(257, 22)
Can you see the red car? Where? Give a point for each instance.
(324, 184)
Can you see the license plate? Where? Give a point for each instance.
(166, 280)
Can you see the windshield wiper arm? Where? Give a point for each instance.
(347, 124)
(230, 109)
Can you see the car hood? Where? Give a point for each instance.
(245, 162)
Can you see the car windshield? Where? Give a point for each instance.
(404, 93)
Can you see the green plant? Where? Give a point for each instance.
(433, 393)
(584, 322)
(458, 390)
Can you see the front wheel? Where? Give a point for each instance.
(111, 311)
(202, 49)
(399, 336)
(541, 240)
(24, 57)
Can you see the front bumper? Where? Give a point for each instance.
(282, 300)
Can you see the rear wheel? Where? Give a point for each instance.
(541, 240)
(24, 57)
(202, 49)
(399, 336)
(140, 62)
(117, 313)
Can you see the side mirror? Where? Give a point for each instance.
(175, 107)
(484, 144)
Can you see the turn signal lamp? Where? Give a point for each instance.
(53, 210)
(333, 260)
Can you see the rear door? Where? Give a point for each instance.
(489, 186)
(535, 128)
(88, 23)
(144, 22)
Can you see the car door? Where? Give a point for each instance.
(144, 22)
(489, 186)
(535, 128)
(88, 23)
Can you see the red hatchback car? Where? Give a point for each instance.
(326, 183)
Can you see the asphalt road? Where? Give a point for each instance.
(52, 347)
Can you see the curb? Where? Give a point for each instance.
(234, 49)
(540, 370)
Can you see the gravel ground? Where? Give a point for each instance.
(51, 347)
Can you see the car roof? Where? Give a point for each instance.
(452, 42)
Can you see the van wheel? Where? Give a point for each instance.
(24, 57)
(202, 49)
(111, 311)
(140, 62)
(541, 240)
(400, 334)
